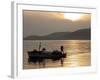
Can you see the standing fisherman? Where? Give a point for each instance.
(62, 51)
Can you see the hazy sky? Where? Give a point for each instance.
(43, 23)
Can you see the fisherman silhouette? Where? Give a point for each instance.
(43, 53)
(44, 49)
(62, 49)
(62, 59)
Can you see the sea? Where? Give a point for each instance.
(78, 53)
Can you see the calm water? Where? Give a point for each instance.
(78, 52)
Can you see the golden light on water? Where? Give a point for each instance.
(78, 60)
(77, 54)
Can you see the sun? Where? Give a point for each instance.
(72, 16)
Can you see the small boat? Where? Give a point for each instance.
(39, 56)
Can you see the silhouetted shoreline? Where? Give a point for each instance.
(82, 34)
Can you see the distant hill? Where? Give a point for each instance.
(82, 34)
